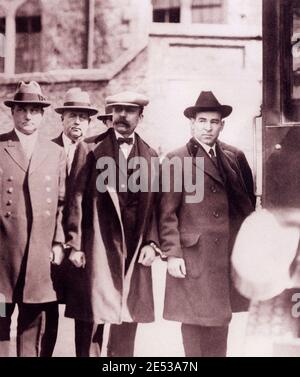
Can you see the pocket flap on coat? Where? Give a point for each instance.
(189, 239)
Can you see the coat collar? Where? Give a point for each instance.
(196, 150)
(59, 140)
(15, 150)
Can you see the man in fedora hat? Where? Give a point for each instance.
(198, 237)
(32, 173)
(113, 234)
(76, 115)
(107, 117)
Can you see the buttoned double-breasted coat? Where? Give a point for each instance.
(32, 193)
(203, 233)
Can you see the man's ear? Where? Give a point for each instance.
(222, 124)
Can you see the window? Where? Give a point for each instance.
(28, 37)
(28, 24)
(166, 11)
(208, 11)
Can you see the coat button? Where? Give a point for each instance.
(216, 214)
(48, 200)
(48, 189)
(48, 178)
(8, 214)
(9, 202)
(10, 190)
(48, 213)
(217, 241)
(213, 189)
(10, 179)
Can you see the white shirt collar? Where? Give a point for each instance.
(207, 147)
(26, 139)
(67, 141)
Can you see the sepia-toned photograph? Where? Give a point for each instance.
(149, 180)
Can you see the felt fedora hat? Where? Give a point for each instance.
(28, 93)
(107, 115)
(207, 102)
(127, 99)
(76, 99)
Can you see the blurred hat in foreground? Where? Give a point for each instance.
(262, 256)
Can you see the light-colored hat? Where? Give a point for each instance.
(28, 93)
(207, 102)
(76, 99)
(262, 255)
(127, 99)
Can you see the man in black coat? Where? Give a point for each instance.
(110, 232)
(197, 235)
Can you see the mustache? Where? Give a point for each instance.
(122, 121)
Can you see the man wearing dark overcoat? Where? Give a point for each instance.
(32, 187)
(111, 229)
(197, 236)
(76, 113)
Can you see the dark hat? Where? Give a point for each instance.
(76, 99)
(107, 115)
(127, 99)
(207, 102)
(28, 93)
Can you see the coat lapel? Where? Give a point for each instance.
(15, 150)
(209, 167)
(59, 140)
(108, 148)
(145, 197)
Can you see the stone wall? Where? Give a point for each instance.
(132, 77)
(64, 35)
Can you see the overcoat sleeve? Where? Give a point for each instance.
(59, 236)
(170, 202)
(246, 176)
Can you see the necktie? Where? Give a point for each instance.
(127, 140)
(213, 156)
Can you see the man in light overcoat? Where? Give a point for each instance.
(32, 188)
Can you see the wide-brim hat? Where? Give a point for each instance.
(108, 114)
(76, 99)
(207, 102)
(104, 117)
(28, 93)
(127, 99)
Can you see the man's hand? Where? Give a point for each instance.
(77, 258)
(147, 255)
(57, 254)
(176, 267)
